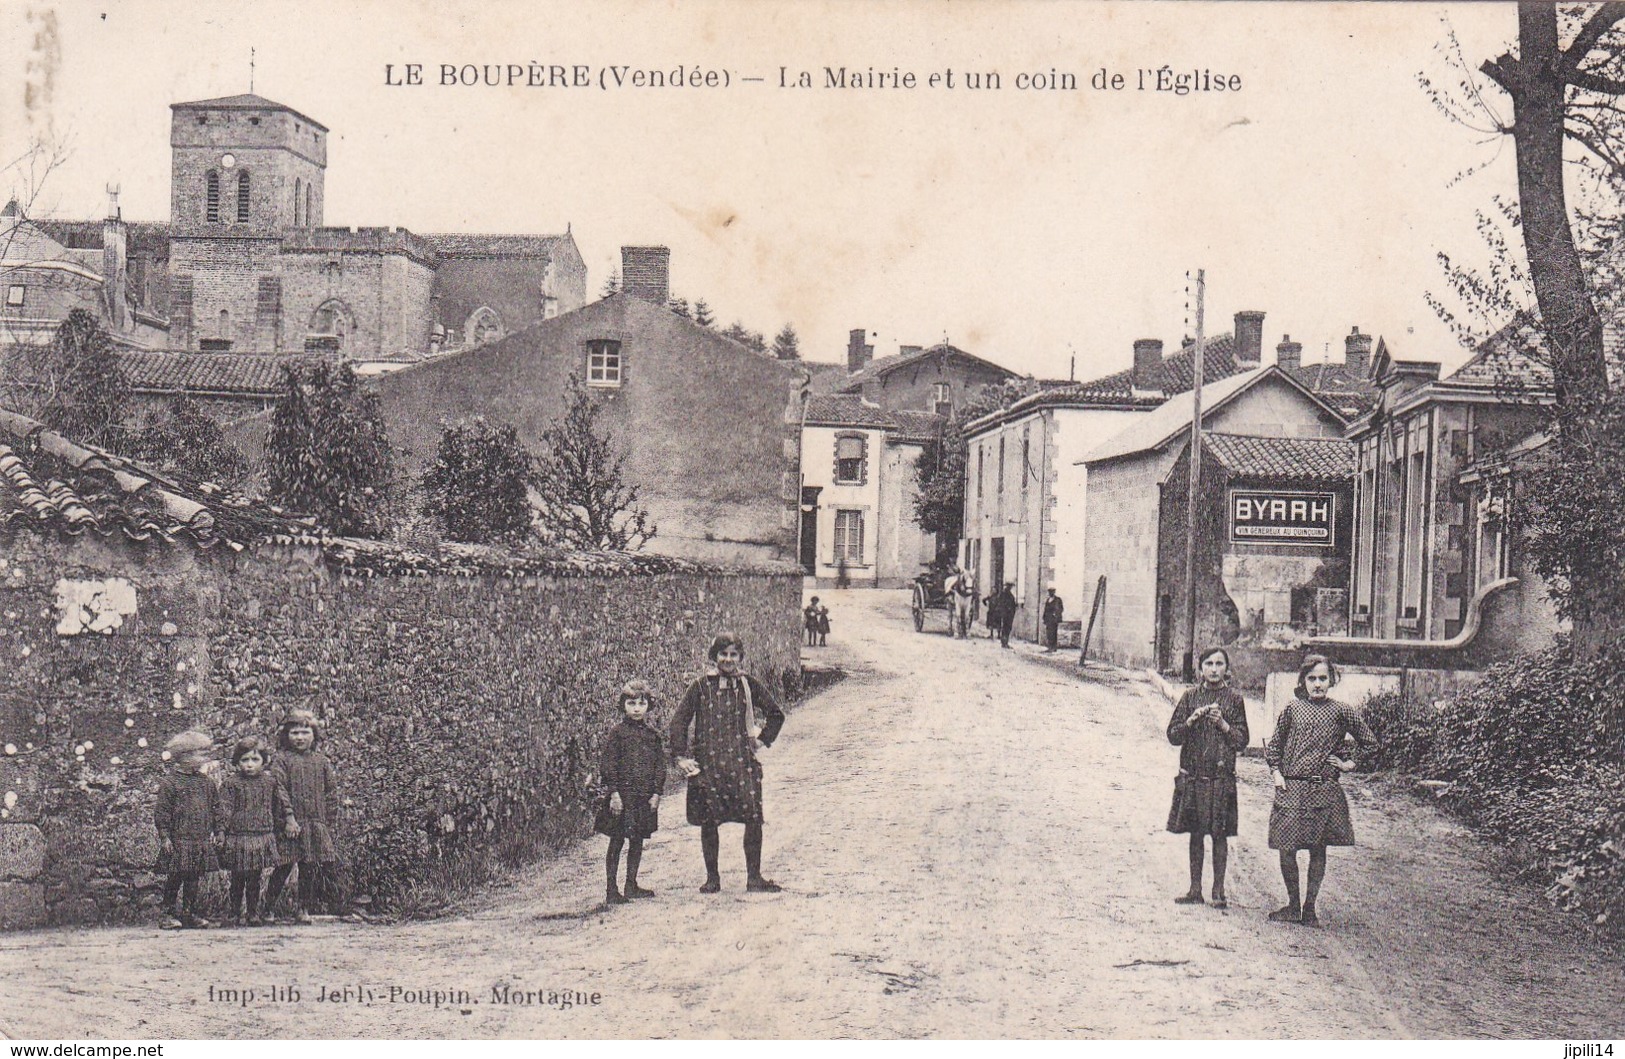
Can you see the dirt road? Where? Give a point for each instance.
(971, 844)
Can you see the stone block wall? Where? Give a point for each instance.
(463, 711)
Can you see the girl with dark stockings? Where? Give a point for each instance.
(632, 773)
(1209, 726)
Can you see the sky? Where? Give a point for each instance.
(1044, 229)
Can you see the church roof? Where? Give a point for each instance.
(245, 101)
(458, 244)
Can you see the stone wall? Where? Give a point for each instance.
(463, 710)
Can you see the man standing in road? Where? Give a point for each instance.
(1053, 608)
(1002, 612)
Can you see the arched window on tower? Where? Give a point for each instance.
(330, 327)
(298, 203)
(211, 197)
(308, 214)
(242, 196)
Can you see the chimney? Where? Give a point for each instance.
(1289, 354)
(1357, 352)
(1147, 373)
(645, 273)
(115, 260)
(858, 351)
(1249, 348)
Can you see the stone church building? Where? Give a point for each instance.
(246, 265)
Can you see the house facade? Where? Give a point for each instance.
(935, 379)
(858, 486)
(711, 428)
(1441, 465)
(1124, 482)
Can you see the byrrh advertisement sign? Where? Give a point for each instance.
(1282, 516)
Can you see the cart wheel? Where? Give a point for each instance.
(918, 609)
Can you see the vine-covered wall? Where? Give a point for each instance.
(463, 703)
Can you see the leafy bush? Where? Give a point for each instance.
(1529, 762)
(1405, 731)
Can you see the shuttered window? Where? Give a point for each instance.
(849, 537)
(242, 196)
(851, 457)
(211, 193)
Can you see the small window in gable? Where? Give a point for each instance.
(942, 401)
(851, 459)
(603, 363)
(15, 294)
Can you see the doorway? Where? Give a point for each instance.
(809, 529)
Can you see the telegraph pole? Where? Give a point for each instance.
(1195, 480)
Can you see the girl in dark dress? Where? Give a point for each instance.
(1209, 726)
(823, 625)
(724, 777)
(1311, 812)
(184, 816)
(809, 615)
(246, 815)
(632, 775)
(307, 829)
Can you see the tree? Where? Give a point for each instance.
(786, 346)
(612, 285)
(184, 439)
(702, 314)
(586, 503)
(1565, 83)
(73, 384)
(746, 337)
(327, 451)
(680, 307)
(940, 472)
(478, 488)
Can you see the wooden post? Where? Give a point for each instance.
(1195, 480)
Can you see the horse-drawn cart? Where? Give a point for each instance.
(933, 591)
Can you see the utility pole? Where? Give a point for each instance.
(1195, 480)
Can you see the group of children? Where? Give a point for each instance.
(1306, 755)
(816, 618)
(273, 812)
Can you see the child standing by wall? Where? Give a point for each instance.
(250, 804)
(1209, 726)
(823, 625)
(809, 615)
(184, 815)
(312, 787)
(632, 775)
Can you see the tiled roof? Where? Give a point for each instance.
(1218, 362)
(1350, 392)
(1514, 358)
(457, 244)
(235, 374)
(886, 365)
(244, 101)
(1320, 459)
(917, 426)
(849, 410)
(50, 483)
(87, 235)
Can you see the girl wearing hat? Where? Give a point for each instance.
(184, 815)
(312, 786)
(632, 775)
(719, 759)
